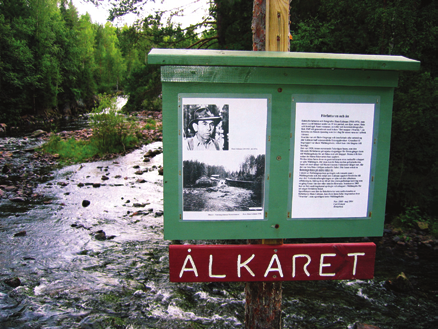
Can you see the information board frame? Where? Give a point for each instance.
(280, 76)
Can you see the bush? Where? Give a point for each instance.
(112, 133)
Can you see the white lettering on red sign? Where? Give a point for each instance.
(270, 268)
(190, 269)
(210, 270)
(321, 265)
(355, 254)
(305, 265)
(244, 264)
(285, 262)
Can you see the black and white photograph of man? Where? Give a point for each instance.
(206, 127)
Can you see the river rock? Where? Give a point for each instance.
(139, 205)
(5, 169)
(96, 185)
(424, 226)
(21, 233)
(401, 283)
(38, 133)
(159, 213)
(13, 282)
(3, 127)
(364, 326)
(105, 177)
(160, 171)
(152, 153)
(85, 203)
(100, 235)
(139, 294)
(18, 199)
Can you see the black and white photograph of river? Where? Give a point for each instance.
(214, 188)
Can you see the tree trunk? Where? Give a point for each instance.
(263, 305)
(259, 25)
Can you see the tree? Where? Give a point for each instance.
(17, 73)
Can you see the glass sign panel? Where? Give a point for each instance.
(332, 160)
(223, 158)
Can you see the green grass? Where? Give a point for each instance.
(112, 133)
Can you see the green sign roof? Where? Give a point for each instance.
(203, 57)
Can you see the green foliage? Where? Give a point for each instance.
(144, 89)
(234, 24)
(17, 76)
(414, 218)
(410, 216)
(71, 150)
(112, 133)
(54, 60)
(143, 81)
(413, 176)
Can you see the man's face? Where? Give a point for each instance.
(204, 129)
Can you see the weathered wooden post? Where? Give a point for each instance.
(274, 145)
(270, 28)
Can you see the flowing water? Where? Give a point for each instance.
(75, 276)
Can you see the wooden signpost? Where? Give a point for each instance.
(274, 145)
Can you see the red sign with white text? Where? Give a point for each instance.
(288, 262)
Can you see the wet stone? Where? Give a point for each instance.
(18, 199)
(105, 178)
(13, 282)
(85, 203)
(21, 233)
(96, 185)
(365, 326)
(100, 235)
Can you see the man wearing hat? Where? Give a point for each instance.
(204, 124)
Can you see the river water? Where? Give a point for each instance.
(73, 276)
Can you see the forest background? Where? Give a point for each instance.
(54, 62)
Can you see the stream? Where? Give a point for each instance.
(87, 248)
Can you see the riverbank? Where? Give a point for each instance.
(24, 165)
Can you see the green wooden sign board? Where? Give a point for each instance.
(270, 145)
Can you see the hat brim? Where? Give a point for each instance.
(215, 119)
